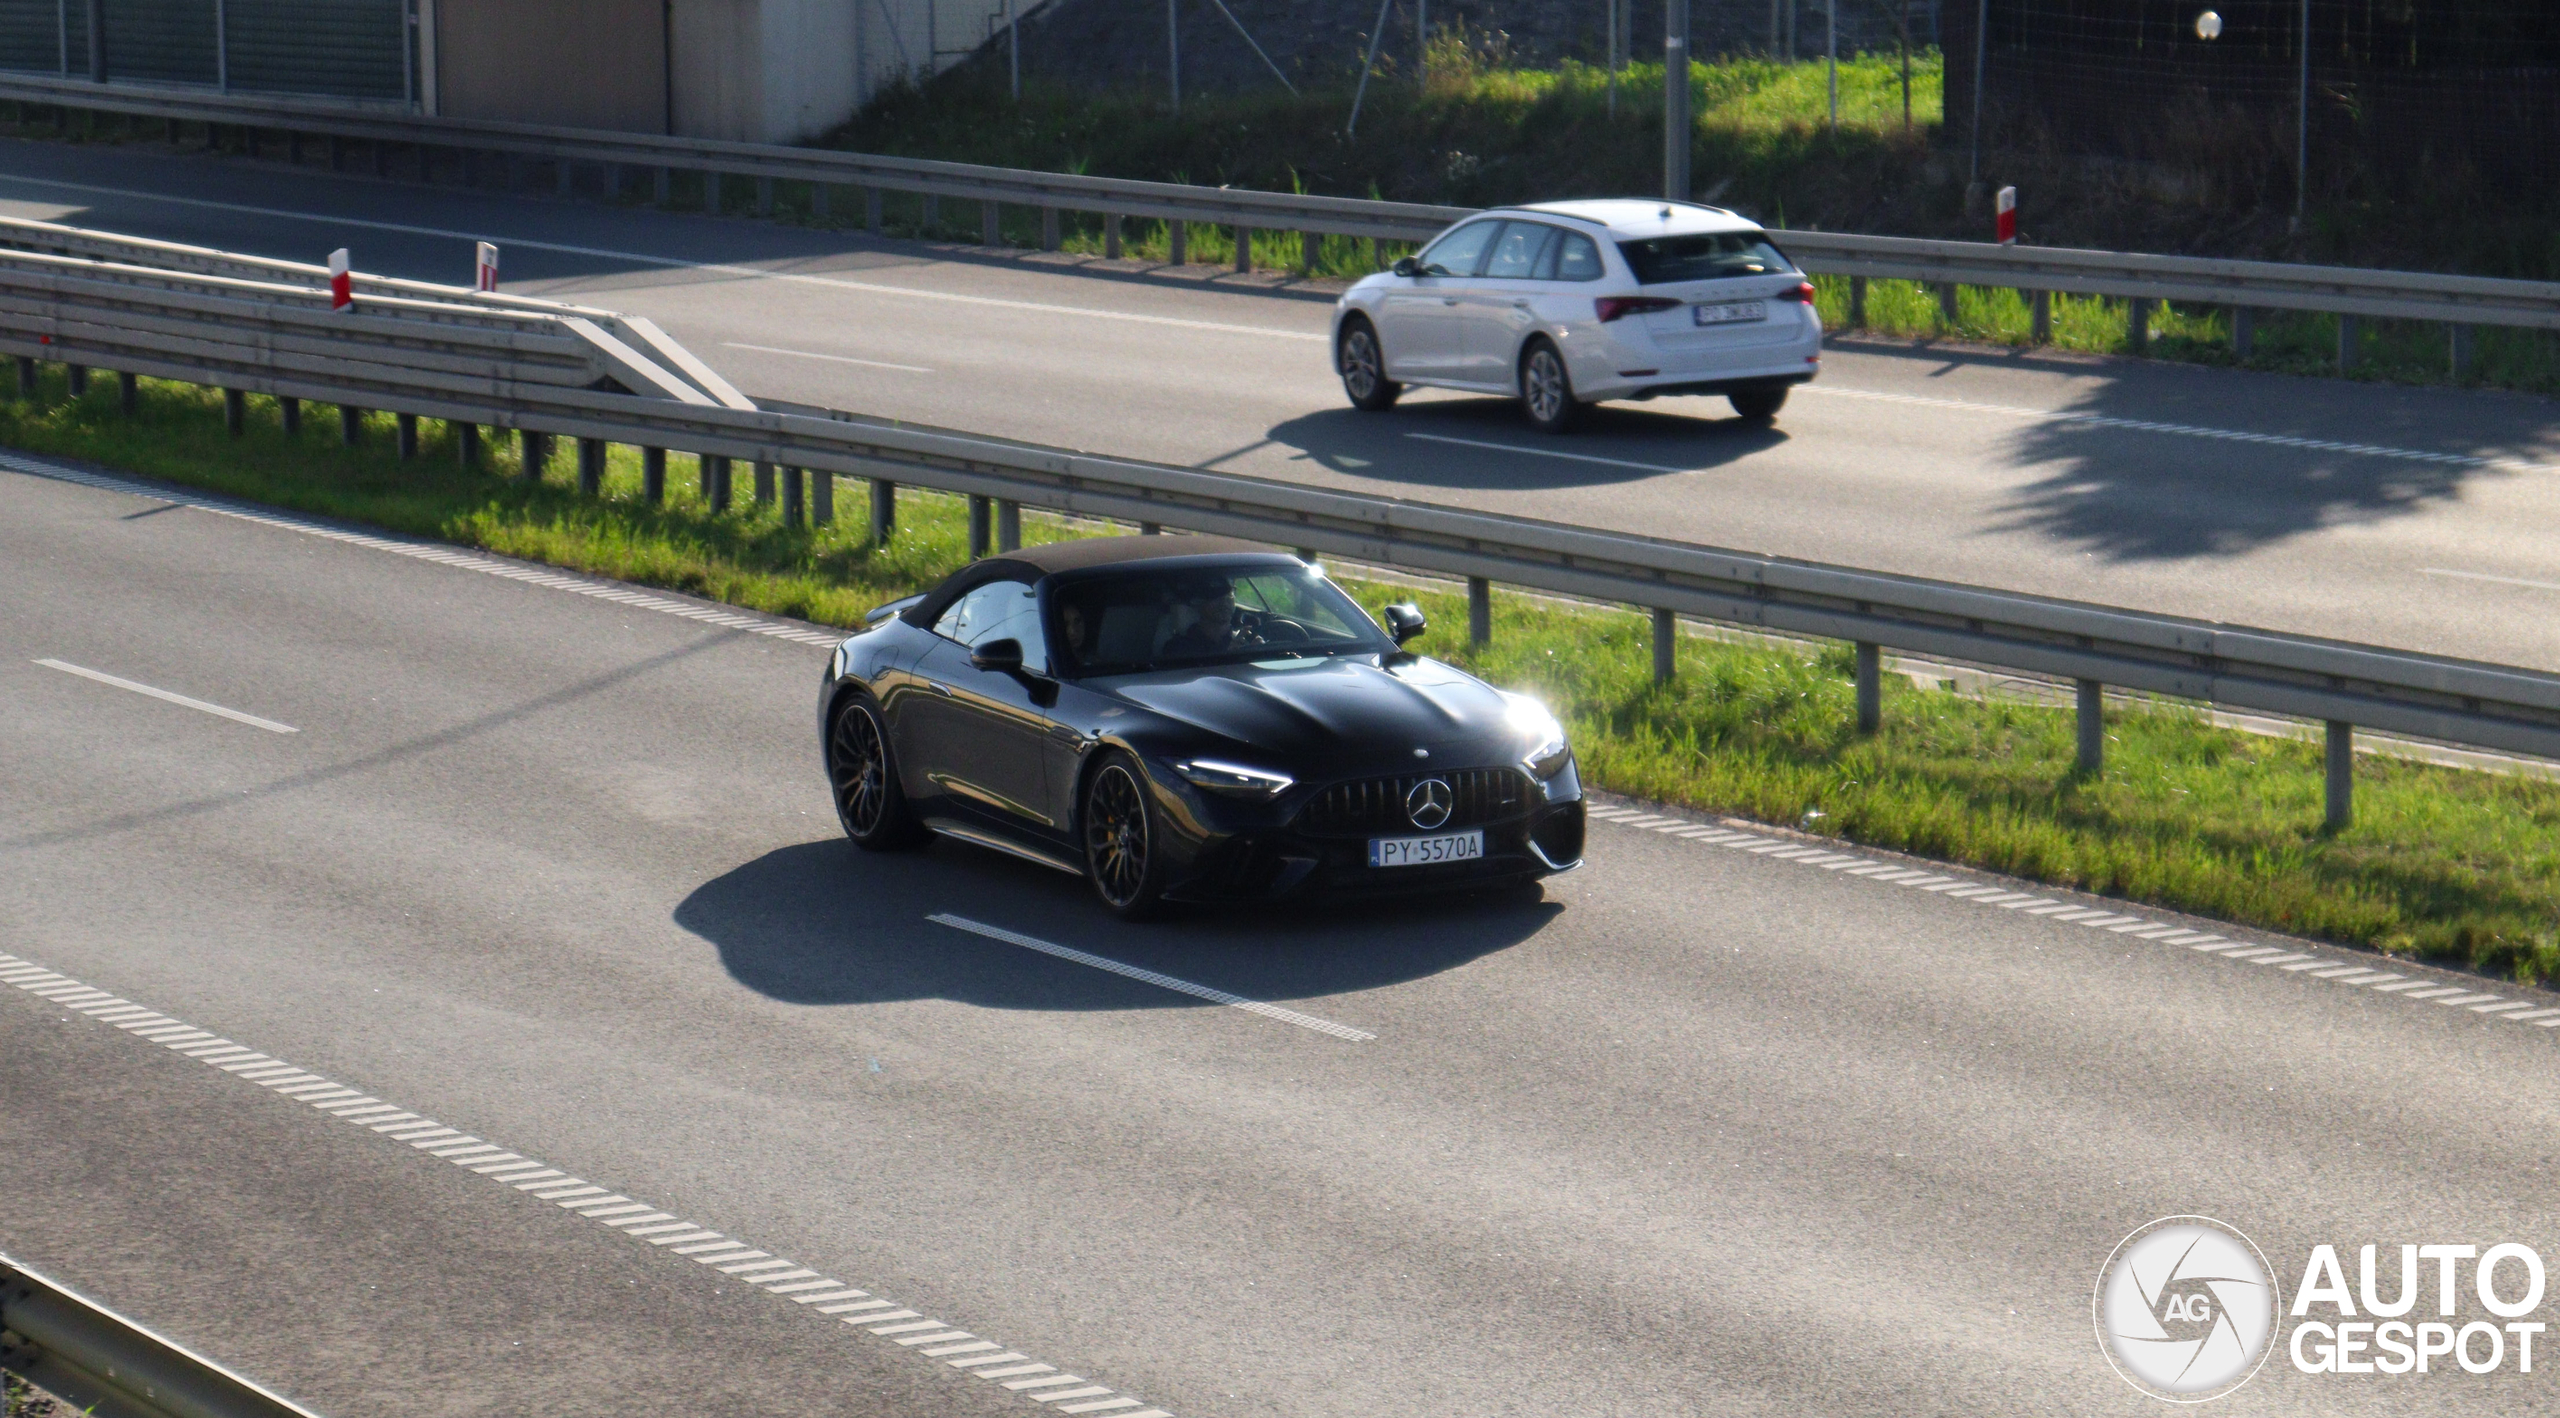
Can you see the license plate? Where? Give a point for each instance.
(1734, 312)
(1426, 851)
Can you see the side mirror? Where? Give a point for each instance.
(1001, 656)
(1405, 621)
(1406, 266)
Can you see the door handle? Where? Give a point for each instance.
(939, 687)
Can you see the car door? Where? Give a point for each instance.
(976, 736)
(1499, 309)
(1419, 315)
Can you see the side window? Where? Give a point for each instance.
(1517, 252)
(1575, 259)
(1457, 253)
(999, 610)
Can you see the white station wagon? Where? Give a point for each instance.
(1562, 304)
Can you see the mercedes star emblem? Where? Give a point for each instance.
(1429, 803)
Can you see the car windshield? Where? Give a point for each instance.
(1163, 617)
(1704, 256)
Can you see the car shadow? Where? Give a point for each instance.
(824, 923)
(1443, 442)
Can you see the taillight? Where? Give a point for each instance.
(1613, 307)
(1801, 294)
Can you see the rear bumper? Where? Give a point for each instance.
(1722, 385)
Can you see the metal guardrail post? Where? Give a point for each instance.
(2040, 317)
(818, 201)
(764, 483)
(822, 497)
(26, 377)
(653, 475)
(235, 412)
(2244, 331)
(1870, 681)
(1244, 250)
(289, 412)
(2463, 340)
(1177, 243)
(715, 482)
(591, 466)
(1947, 315)
(2342, 776)
(1857, 302)
(1666, 643)
(350, 425)
(75, 377)
(466, 443)
(534, 450)
(884, 511)
(932, 218)
(982, 518)
(1151, 529)
(2091, 719)
(1008, 525)
(871, 215)
(1310, 252)
(404, 431)
(990, 223)
(2350, 342)
(128, 393)
(764, 196)
(1051, 237)
(1479, 612)
(1111, 236)
(792, 496)
(2137, 325)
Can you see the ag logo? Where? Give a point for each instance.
(2186, 1309)
(1429, 803)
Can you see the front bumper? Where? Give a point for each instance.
(1284, 864)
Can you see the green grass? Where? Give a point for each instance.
(2443, 863)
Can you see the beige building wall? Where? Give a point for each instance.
(569, 63)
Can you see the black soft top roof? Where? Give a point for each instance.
(1116, 551)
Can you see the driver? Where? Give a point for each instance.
(1214, 627)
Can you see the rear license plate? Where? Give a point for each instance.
(1733, 312)
(1426, 851)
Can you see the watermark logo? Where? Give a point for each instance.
(2186, 1309)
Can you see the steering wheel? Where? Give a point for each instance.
(1275, 631)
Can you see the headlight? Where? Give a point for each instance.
(1547, 750)
(1219, 776)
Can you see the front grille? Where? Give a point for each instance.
(1377, 805)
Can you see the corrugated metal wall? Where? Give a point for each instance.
(359, 49)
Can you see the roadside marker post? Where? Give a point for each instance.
(484, 274)
(342, 286)
(2008, 207)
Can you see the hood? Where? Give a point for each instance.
(1349, 708)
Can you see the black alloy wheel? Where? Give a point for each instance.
(1546, 389)
(1759, 404)
(1120, 841)
(868, 799)
(1364, 368)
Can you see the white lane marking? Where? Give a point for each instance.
(429, 551)
(2186, 430)
(2481, 576)
(607, 1208)
(2311, 965)
(675, 264)
(831, 359)
(1551, 453)
(1098, 962)
(234, 715)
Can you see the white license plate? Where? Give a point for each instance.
(1734, 312)
(1426, 851)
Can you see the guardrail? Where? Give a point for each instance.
(2460, 302)
(107, 1364)
(2455, 701)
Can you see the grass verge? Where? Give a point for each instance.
(2442, 863)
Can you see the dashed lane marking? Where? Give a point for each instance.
(1100, 962)
(829, 358)
(436, 552)
(2309, 964)
(234, 715)
(721, 1255)
(2188, 430)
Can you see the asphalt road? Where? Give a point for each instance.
(2405, 517)
(1701, 1129)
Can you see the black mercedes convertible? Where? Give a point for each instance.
(1186, 718)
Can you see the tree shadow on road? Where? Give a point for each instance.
(822, 923)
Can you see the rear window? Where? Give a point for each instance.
(1704, 256)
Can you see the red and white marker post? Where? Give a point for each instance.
(485, 269)
(342, 286)
(2008, 207)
